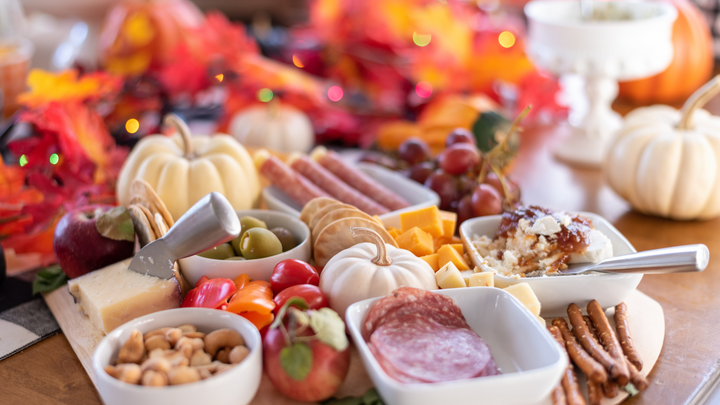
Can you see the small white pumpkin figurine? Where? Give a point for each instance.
(666, 162)
(369, 270)
(184, 168)
(282, 128)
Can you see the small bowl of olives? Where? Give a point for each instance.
(266, 238)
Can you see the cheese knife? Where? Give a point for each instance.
(676, 259)
(208, 223)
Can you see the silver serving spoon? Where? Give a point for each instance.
(208, 223)
(677, 259)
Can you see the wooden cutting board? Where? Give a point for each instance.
(645, 318)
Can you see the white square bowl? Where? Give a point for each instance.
(557, 292)
(415, 193)
(529, 358)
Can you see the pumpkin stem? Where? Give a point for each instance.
(182, 128)
(698, 100)
(382, 258)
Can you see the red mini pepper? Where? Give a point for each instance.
(209, 293)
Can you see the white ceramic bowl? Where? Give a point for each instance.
(194, 267)
(530, 360)
(236, 386)
(556, 293)
(414, 193)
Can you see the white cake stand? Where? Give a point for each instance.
(603, 52)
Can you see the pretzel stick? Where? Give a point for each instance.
(626, 341)
(609, 340)
(592, 369)
(593, 347)
(595, 393)
(610, 388)
(569, 380)
(558, 396)
(637, 379)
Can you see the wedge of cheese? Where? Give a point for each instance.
(449, 277)
(527, 297)
(114, 295)
(483, 279)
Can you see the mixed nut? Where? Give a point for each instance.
(174, 356)
(254, 242)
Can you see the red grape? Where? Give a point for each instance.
(421, 171)
(465, 209)
(486, 200)
(459, 135)
(513, 188)
(459, 158)
(466, 185)
(414, 151)
(445, 185)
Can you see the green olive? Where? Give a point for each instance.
(246, 223)
(257, 243)
(219, 252)
(286, 238)
(239, 258)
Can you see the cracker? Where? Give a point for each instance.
(151, 220)
(142, 189)
(324, 210)
(143, 229)
(313, 206)
(337, 237)
(333, 216)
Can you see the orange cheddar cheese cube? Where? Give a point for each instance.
(432, 260)
(419, 242)
(459, 247)
(394, 232)
(447, 254)
(449, 219)
(427, 219)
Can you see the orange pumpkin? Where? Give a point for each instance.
(691, 66)
(141, 34)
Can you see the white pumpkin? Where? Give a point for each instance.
(666, 162)
(183, 168)
(282, 128)
(369, 270)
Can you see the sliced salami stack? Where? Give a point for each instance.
(418, 336)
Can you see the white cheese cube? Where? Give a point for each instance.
(546, 225)
(484, 279)
(466, 276)
(525, 294)
(449, 277)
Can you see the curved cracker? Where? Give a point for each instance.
(334, 215)
(324, 210)
(151, 220)
(143, 229)
(336, 237)
(313, 206)
(143, 189)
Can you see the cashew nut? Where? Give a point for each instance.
(126, 372)
(187, 328)
(223, 368)
(183, 375)
(133, 349)
(220, 338)
(193, 335)
(156, 364)
(157, 342)
(204, 373)
(153, 378)
(178, 359)
(223, 355)
(155, 332)
(197, 344)
(173, 335)
(200, 358)
(238, 354)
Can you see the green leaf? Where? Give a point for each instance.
(370, 397)
(486, 128)
(49, 279)
(296, 360)
(329, 328)
(116, 224)
(630, 389)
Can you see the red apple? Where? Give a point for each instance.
(79, 246)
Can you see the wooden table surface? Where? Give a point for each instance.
(49, 372)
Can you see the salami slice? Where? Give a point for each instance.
(335, 187)
(358, 180)
(406, 300)
(297, 187)
(415, 347)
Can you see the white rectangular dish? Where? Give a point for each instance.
(416, 194)
(530, 360)
(557, 292)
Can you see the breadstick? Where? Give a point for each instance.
(558, 396)
(595, 394)
(609, 388)
(593, 347)
(637, 379)
(623, 333)
(591, 328)
(609, 340)
(592, 369)
(569, 380)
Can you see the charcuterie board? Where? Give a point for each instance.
(645, 317)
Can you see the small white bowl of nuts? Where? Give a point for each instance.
(180, 356)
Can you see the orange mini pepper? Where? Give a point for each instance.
(253, 297)
(241, 281)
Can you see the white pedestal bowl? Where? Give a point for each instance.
(602, 51)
